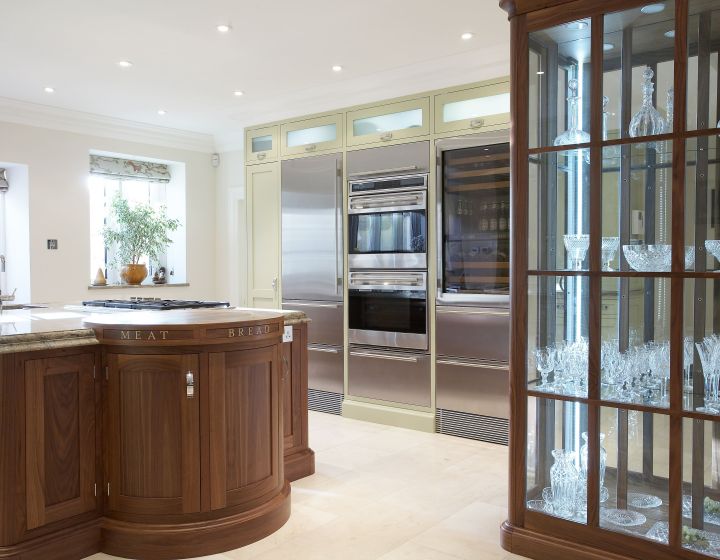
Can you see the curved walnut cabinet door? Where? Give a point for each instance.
(194, 432)
(153, 435)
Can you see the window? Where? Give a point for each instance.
(158, 185)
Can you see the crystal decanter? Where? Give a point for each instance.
(573, 135)
(647, 121)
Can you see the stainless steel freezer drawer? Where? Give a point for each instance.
(473, 332)
(326, 320)
(401, 377)
(475, 387)
(325, 368)
(388, 161)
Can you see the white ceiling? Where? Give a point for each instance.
(279, 53)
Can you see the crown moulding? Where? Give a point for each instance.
(44, 116)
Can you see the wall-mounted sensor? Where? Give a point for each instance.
(52, 244)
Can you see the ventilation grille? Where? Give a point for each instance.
(472, 426)
(325, 401)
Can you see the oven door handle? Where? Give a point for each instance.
(384, 357)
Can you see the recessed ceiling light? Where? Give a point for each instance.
(466, 36)
(577, 25)
(670, 34)
(223, 28)
(124, 64)
(238, 93)
(653, 8)
(49, 89)
(608, 47)
(337, 68)
(162, 112)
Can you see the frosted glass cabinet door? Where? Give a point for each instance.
(477, 108)
(261, 144)
(311, 135)
(392, 121)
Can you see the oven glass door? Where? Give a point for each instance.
(395, 318)
(388, 232)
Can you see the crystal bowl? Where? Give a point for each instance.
(648, 258)
(713, 246)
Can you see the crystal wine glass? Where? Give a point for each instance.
(608, 248)
(705, 351)
(576, 246)
(545, 363)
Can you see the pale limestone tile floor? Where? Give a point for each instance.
(387, 493)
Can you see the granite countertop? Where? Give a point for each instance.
(56, 326)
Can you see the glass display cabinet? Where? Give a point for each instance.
(615, 287)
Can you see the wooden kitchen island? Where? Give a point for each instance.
(151, 435)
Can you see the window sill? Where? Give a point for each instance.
(124, 286)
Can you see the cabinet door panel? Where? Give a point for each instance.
(60, 429)
(153, 431)
(245, 451)
(263, 223)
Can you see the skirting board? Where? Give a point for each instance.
(388, 415)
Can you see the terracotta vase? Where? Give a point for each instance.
(133, 273)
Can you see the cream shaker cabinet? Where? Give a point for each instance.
(311, 136)
(480, 108)
(263, 226)
(388, 122)
(261, 144)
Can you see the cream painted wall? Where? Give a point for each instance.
(58, 206)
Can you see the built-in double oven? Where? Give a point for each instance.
(388, 325)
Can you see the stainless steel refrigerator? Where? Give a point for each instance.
(312, 268)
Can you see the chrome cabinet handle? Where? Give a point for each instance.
(387, 136)
(442, 311)
(274, 284)
(290, 305)
(310, 147)
(471, 364)
(477, 123)
(326, 350)
(190, 385)
(261, 155)
(384, 357)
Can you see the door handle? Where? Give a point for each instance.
(190, 385)
(310, 147)
(477, 123)
(261, 155)
(387, 136)
(274, 284)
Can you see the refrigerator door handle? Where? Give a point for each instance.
(339, 248)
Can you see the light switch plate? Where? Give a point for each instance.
(287, 334)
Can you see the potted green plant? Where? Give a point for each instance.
(134, 232)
